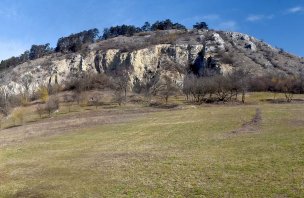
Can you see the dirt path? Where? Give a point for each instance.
(69, 123)
(252, 126)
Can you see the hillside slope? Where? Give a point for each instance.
(173, 52)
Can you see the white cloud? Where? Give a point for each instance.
(211, 17)
(253, 18)
(11, 48)
(295, 9)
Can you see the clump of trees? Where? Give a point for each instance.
(130, 30)
(167, 25)
(49, 107)
(120, 30)
(276, 83)
(155, 84)
(201, 26)
(216, 88)
(74, 42)
(36, 51)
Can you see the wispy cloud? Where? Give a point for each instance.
(8, 12)
(254, 18)
(296, 9)
(230, 25)
(211, 17)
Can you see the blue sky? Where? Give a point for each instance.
(27, 22)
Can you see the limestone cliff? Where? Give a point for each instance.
(172, 55)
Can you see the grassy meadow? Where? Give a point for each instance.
(189, 151)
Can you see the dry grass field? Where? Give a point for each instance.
(232, 150)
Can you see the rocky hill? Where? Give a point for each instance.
(173, 52)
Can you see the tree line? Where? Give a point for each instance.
(197, 89)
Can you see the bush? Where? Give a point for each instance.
(18, 115)
(82, 99)
(200, 26)
(118, 97)
(52, 105)
(95, 100)
(43, 94)
(167, 88)
(40, 109)
(69, 99)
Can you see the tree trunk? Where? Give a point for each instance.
(125, 95)
(243, 96)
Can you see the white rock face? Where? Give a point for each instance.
(50, 70)
(151, 58)
(169, 59)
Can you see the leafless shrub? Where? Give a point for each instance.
(164, 38)
(118, 97)
(40, 110)
(69, 99)
(82, 99)
(88, 81)
(95, 100)
(54, 89)
(121, 82)
(167, 88)
(226, 57)
(216, 88)
(52, 105)
(288, 86)
(18, 115)
(195, 87)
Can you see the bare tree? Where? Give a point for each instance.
(301, 81)
(288, 86)
(26, 82)
(1, 120)
(239, 81)
(52, 105)
(40, 109)
(69, 99)
(118, 97)
(4, 101)
(122, 82)
(167, 88)
(188, 85)
(95, 100)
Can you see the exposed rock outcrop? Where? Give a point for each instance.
(172, 56)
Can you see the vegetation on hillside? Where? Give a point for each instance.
(75, 42)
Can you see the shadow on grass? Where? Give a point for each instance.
(163, 106)
(282, 101)
(12, 126)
